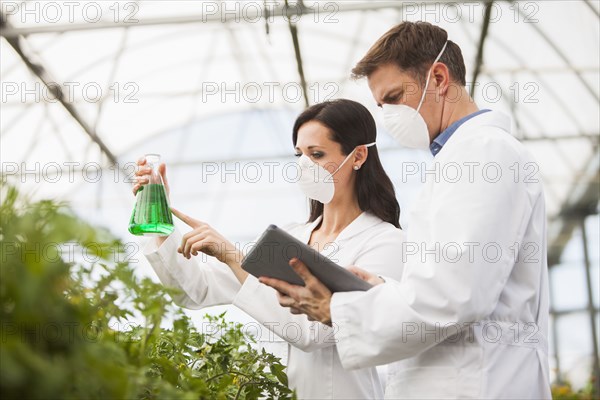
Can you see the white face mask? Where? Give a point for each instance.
(315, 181)
(405, 124)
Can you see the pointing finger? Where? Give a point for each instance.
(191, 222)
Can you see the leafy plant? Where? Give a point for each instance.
(564, 391)
(68, 309)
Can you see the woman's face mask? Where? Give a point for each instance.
(405, 124)
(315, 181)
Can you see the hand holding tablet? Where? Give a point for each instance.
(274, 250)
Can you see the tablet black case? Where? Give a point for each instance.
(275, 248)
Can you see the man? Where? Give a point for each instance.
(469, 318)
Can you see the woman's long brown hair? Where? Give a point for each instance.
(351, 125)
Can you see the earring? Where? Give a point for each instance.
(356, 167)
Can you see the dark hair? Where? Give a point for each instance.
(351, 125)
(413, 46)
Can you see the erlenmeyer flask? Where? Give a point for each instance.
(152, 215)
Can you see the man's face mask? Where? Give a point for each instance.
(405, 124)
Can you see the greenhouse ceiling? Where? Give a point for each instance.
(91, 80)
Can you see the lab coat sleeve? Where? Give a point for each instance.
(260, 302)
(202, 281)
(457, 283)
(381, 254)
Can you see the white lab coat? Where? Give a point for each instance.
(502, 292)
(314, 368)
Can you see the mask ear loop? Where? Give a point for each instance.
(429, 75)
(367, 146)
(348, 157)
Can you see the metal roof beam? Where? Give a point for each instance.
(38, 70)
(484, 32)
(251, 15)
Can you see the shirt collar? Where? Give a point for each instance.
(361, 223)
(442, 138)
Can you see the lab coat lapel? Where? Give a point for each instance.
(309, 228)
(361, 223)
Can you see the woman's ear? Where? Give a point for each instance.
(360, 155)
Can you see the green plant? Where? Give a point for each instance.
(564, 391)
(69, 303)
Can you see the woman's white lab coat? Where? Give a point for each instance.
(469, 318)
(314, 368)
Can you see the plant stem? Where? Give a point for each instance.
(227, 373)
(237, 396)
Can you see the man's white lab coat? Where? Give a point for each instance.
(469, 317)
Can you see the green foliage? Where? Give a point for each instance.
(68, 303)
(564, 391)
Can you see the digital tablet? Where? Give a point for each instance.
(274, 250)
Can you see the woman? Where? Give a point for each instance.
(354, 219)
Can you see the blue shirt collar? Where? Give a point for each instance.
(443, 137)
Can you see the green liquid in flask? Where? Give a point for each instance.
(151, 215)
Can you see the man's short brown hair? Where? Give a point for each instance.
(413, 46)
